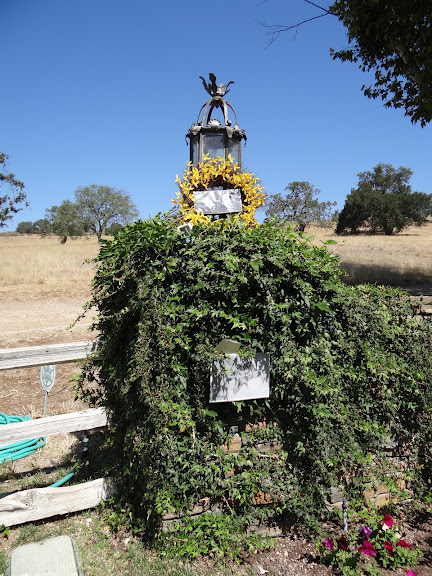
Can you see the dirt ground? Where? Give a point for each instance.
(33, 319)
(44, 317)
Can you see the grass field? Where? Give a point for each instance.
(400, 260)
(32, 261)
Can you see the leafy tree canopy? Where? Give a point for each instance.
(65, 220)
(392, 39)
(25, 227)
(102, 206)
(383, 202)
(9, 203)
(96, 209)
(41, 226)
(299, 205)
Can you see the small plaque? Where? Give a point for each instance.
(47, 377)
(234, 378)
(227, 346)
(213, 202)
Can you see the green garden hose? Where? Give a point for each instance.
(22, 449)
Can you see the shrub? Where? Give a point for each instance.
(350, 367)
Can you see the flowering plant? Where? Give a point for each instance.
(218, 172)
(376, 545)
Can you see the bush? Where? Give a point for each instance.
(350, 367)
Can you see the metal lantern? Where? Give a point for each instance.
(208, 135)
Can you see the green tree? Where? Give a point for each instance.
(392, 39)
(383, 202)
(25, 227)
(65, 220)
(102, 206)
(9, 203)
(113, 229)
(42, 226)
(299, 205)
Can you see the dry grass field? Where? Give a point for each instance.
(43, 286)
(402, 260)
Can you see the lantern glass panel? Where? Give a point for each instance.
(234, 148)
(213, 144)
(194, 145)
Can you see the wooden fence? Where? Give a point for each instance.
(39, 503)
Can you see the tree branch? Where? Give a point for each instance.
(274, 30)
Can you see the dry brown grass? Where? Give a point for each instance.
(401, 260)
(32, 261)
(43, 264)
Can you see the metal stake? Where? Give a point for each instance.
(345, 514)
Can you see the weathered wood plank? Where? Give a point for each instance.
(39, 503)
(11, 358)
(62, 423)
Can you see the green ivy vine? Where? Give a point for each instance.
(350, 367)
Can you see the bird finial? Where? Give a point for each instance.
(215, 89)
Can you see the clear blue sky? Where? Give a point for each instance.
(103, 92)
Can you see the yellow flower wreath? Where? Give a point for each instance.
(217, 171)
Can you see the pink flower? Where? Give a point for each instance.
(388, 520)
(328, 543)
(403, 544)
(342, 543)
(410, 573)
(367, 548)
(389, 547)
(366, 531)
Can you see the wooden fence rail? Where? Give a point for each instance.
(11, 358)
(39, 503)
(60, 424)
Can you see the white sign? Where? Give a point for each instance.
(234, 378)
(47, 377)
(218, 201)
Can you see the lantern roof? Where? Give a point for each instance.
(217, 101)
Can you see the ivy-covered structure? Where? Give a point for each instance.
(350, 369)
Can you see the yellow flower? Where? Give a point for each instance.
(202, 177)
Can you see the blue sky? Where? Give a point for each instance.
(103, 92)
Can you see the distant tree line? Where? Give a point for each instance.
(97, 210)
(382, 203)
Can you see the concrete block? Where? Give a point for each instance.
(53, 557)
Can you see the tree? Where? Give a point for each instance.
(392, 39)
(101, 206)
(42, 226)
(113, 229)
(9, 204)
(25, 227)
(299, 205)
(65, 220)
(96, 209)
(383, 202)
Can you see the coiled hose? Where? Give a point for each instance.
(22, 449)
